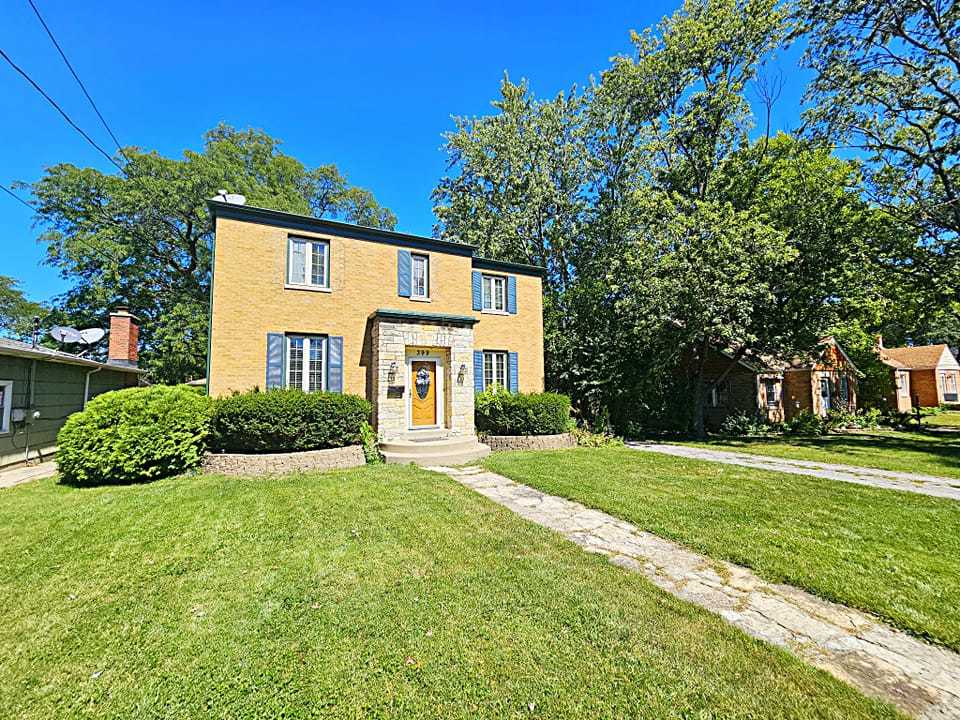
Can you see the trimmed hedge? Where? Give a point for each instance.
(134, 435)
(287, 421)
(502, 413)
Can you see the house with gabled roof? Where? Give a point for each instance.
(777, 390)
(924, 375)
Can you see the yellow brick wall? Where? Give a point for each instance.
(250, 300)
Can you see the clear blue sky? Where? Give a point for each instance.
(369, 87)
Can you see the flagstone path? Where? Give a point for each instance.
(921, 679)
(888, 479)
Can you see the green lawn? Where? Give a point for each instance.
(904, 451)
(891, 553)
(951, 418)
(379, 592)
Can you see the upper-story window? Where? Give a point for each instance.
(494, 292)
(420, 276)
(309, 263)
(305, 354)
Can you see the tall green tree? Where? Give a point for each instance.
(16, 311)
(887, 84)
(144, 237)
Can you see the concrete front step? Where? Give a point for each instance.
(455, 450)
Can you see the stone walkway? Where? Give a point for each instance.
(888, 479)
(921, 679)
(26, 473)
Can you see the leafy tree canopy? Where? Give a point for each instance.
(144, 237)
(16, 311)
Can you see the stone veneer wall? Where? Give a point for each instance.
(280, 463)
(530, 442)
(390, 342)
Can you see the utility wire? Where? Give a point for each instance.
(16, 197)
(77, 78)
(60, 110)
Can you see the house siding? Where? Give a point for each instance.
(250, 300)
(57, 393)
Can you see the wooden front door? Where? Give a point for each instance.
(423, 393)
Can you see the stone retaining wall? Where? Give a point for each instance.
(280, 463)
(530, 442)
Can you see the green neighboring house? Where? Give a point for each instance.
(40, 388)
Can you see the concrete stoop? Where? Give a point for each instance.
(433, 448)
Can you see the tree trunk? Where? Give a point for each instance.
(699, 394)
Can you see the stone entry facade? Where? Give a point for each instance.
(398, 337)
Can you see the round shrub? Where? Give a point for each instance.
(134, 435)
(286, 421)
(503, 413)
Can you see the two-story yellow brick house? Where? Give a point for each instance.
(414, 324)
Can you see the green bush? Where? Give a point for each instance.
(134, 435)
(287, 421)
(371, 448)
(805, 423)
(853, 420)
(745, 424)
(499, 412)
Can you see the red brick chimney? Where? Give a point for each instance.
(124, 335)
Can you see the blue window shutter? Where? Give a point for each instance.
(478, 370)
(403, 273)
(275, 343)
(335, 364)
(513, 372)
(477, 290)
(511, 295)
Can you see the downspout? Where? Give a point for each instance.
(86, 386)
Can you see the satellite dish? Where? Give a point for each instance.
(92, 335)
(65, 334)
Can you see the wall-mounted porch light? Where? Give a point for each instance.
(461, 373)
(392, 372)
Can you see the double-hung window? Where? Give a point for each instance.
(770, 391)
(494, 293)
(6, 402)
(494, 369)
(420, 277)
(903, 383)
(305, 362)
(948, 381)
(309, 263)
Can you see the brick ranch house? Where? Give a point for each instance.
(414, 324)
(777, 391)
(923, 375)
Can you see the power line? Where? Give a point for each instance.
(60, 110)
(77, 78)
(16, 197)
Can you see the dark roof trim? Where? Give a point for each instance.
(500, 265)
(306, 223)
(412, 316)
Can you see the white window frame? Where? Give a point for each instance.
(494, 356)
(771, 399)
(309, 342)
(6, 406)
(945, 376)
(903, 383)
(415, 292)
(489, 285)
(307, 280)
